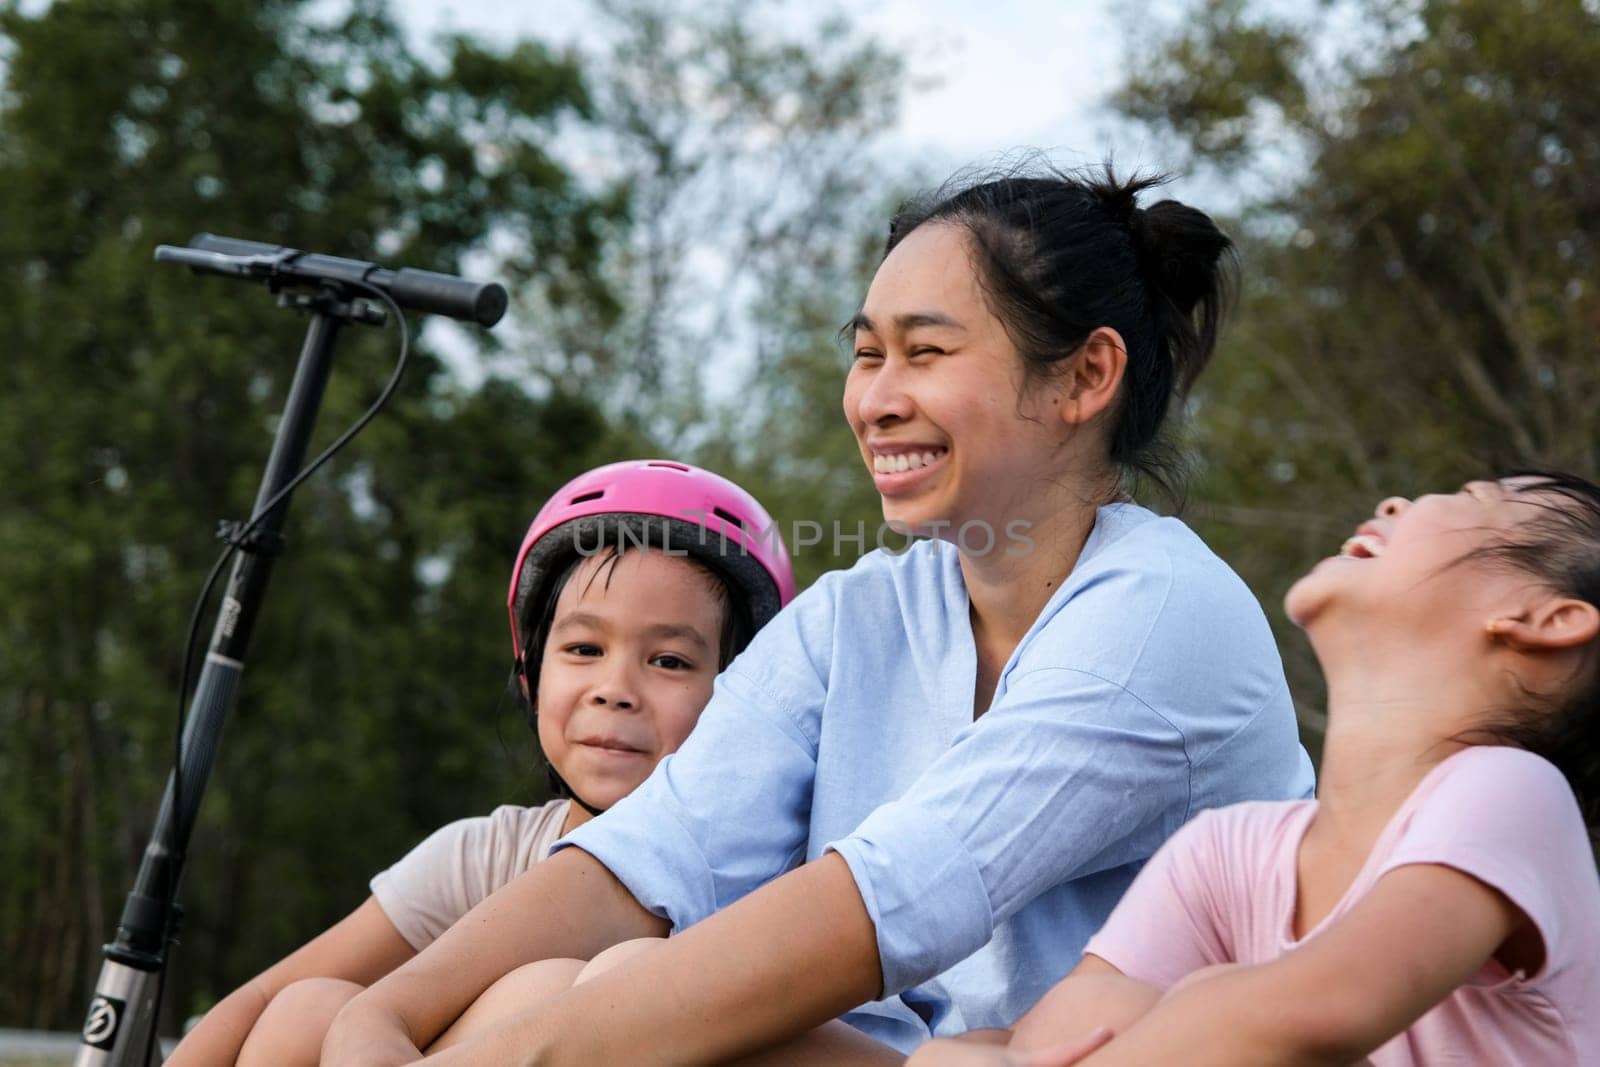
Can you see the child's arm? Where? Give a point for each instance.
(1094, 995)
(568, 906)
(1420, 933)
(1074, 1018)
(362, 947)
(784, 959)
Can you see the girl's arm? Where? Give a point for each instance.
(568, 906)
(1421, 932)
(1078, 1015)
(361, 947)
(776, 964)
(1095, 995)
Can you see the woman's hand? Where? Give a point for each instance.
(952, 1053)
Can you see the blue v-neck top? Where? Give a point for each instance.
(988, 851)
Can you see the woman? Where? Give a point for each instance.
(929, 779)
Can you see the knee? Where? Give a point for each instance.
(616, 954)
(513, 993)
(291, 1028)
(527, 984)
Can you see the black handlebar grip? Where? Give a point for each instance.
(446, 294)
(419, 290)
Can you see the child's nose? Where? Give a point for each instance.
(1392, 507)
(617, 691)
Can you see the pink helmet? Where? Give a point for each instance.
(672, 504)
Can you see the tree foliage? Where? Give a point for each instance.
(644, 200)
(1420, 303)
(138, 409)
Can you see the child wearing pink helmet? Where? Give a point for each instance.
(636, 583)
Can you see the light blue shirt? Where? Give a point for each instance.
(988, 851)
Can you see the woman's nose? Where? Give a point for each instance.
(884, 398)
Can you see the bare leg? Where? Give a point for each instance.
(529, 984)
(615, 955)
(832, 1043)
(514, 993)
(290, 1030)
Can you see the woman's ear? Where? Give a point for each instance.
(1555, 624)
(1090, 384)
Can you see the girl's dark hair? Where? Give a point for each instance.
(1060, 254)
(1561, 547)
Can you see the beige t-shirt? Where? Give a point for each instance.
(458, 865)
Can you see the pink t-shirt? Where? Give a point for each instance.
(459, 865)
(1223, 890)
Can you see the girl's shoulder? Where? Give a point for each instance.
(1499, 780)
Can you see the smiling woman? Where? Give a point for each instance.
(927, 781)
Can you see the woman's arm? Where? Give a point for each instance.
(1420, 933)
(362, 947)
(567, 906)
(776, 964)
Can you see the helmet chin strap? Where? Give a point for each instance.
(559, 786)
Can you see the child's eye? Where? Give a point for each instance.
(584, 649)
(672, 662)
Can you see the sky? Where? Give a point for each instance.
(987, 79)
(1009, 73)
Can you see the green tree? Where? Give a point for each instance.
(1420, 304)
(138, 404)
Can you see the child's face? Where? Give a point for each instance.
(626, 670)
(1401, 562)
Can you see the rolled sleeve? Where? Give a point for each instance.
(922, 889)
(1068, 774)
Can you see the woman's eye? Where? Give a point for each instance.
(926, 350)
(867, 353)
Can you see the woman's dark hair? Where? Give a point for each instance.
(1561, 548)
(1061, 254)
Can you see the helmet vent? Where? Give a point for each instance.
(728, 516)
(585, 497)
(670, 466)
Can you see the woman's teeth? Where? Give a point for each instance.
(1362, 546)
(905, 461)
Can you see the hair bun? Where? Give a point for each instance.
(1183, 252)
